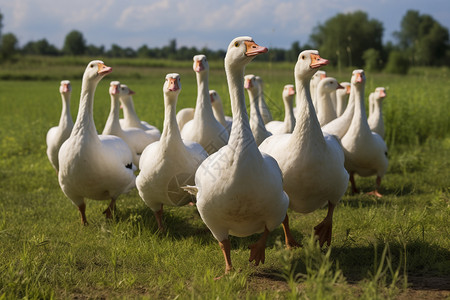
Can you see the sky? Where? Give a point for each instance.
(212, 23)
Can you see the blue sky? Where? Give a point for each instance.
(212, 23)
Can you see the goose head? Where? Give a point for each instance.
(65, 87)
(172, 84)
(380, 93)
(214, 96)
(308, 63)
(358, 77)
(329, 84)
(241, 51)
(200, 63)
(125, 91)
(114, 88)
(288, 92)
(251, 83)
(95, 71)
(346, 88)
(318, 76)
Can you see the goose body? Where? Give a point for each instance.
(169, 163)
(239, 189)
(365, 151)
(375, 119)
(136, 138)
(342, 98)
(204, 128)
(130, 118)
(326, 88)
(93, 166)
(185, 115)
(57, 135)
(286, 126)
(257, 126)
(312, 163)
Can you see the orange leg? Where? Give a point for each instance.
(110, 209)
(225, 245)
(352, 181)
(375, 192)
(82, 210)
(288, 237)
(158, 216)
(324, 229)
(258, 249)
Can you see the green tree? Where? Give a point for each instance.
(423, 39)
(74, 43)
(9, 46)
(343, 38)
(372, 60)
(41, 47)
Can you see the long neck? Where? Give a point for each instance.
(203, 106)
(241, 134)
(66, 118)
(306, 122)
(289, 118)
(112, 123)
(171, 133)
(84, 124)
(359, 116)
(218, 113)
(256, 120)
(325, 107)
(348, 112)
(129, 113)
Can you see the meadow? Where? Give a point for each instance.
(395, 247)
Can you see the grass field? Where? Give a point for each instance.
(394, 247)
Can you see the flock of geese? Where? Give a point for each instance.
(242, 172)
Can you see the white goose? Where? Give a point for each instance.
(365, 151)
(342, 98)
(136, 138)
(93, 166)
(170, 163)
(204, 128)
(262, 105)
(217, 107)
(326, 87)
(312, 163)
(58, 134)
(240, 189)
(130, 118)
(286, 126)
(184, 115)
(375, 119)
(257, 126)
(340, 125)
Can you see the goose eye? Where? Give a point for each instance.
(236, 44)
(303, 57)
(92, 66)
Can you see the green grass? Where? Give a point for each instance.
(378, 244)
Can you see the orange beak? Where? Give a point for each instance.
(65, 88)
(211, 98)
(173, 85)
(131, 92)
(348, 89)
(291, 91)
(317, 61)
(382, 94)
(198, 66)
(103, 69)
(248, 84)
(114, 89)
(254, 49)
(322, 76)
(358, 77)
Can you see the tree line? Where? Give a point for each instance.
(347, 39)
